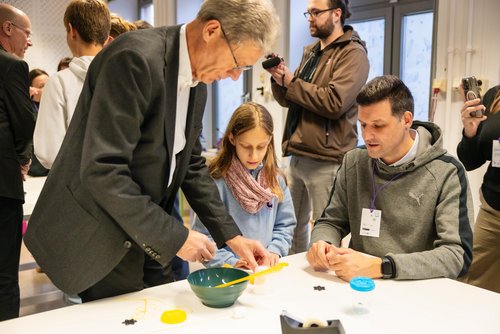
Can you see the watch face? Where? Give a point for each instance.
(386, 268)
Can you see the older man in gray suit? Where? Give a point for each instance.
(132, 142)
(16, 130)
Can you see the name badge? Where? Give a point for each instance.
(495, 154)
(370, 223)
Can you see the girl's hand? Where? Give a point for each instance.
(471, 123)
(242, 264)
(273, 260)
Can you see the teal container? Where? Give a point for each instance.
(203, 282)
(362, 288)
(362, 284)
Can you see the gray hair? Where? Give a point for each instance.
(244, 20)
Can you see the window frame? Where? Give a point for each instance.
(393, 12)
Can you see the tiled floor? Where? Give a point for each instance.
(38, 294)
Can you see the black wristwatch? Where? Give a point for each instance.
(388, 267)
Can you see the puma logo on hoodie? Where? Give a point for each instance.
(416, 197)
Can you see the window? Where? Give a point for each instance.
(416, 54)
(146, 11)
(373, 33)
(399, 37)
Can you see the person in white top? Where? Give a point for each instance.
(87, 24)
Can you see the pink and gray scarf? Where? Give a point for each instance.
(252, 194)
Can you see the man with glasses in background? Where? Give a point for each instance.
(321, 97)
(132, 143)
(16, 131)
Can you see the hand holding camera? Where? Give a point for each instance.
(472, 111)
(272, 61)
(276, 67)
(472, 91)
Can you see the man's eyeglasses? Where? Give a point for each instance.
(315, 13)
(237, 67)
(26, 31)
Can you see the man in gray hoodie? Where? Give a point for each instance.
(87, 24)
(405, 201)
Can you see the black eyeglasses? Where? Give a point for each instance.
(315, 13)
(26, 31)
(237, 67)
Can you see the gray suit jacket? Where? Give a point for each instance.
(16, 124)
(108, 185)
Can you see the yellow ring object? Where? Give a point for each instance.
(174, 316)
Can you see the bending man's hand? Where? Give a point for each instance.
(249, 250)
(197, 247)
(348, 263)
(24, 170)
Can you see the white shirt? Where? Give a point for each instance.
(184, 83)
(411, 154)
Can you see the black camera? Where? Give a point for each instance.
(472, 91)
(272, 61)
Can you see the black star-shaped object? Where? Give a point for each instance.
(129, 322)
(319, 288)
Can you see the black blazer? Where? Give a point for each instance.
(17, 123)
(108, 185)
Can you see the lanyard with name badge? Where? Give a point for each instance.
(495, 154)
(370, 218)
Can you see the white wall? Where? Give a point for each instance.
(260, 78)
(49, 34)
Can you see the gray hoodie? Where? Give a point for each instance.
(426, 212)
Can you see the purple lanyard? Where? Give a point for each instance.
(376, 190)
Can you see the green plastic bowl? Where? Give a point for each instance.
(203, 282)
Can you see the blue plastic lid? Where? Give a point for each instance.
(363, 284)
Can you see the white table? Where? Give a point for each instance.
(32, 187)
(427, 306)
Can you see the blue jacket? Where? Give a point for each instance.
(273, 225)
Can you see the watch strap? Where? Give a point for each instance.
(388, 267)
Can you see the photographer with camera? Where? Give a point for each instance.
(480, 143)
(322, 114)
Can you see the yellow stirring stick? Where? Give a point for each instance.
(273, 269)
